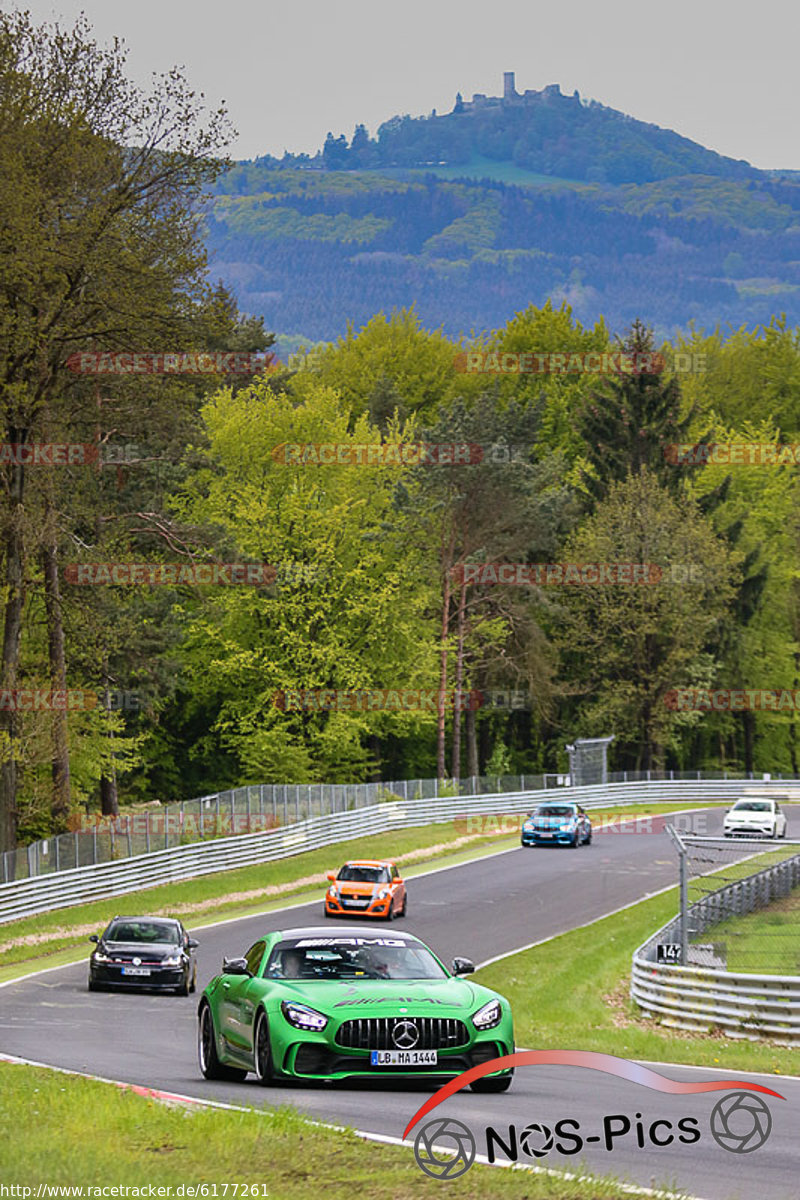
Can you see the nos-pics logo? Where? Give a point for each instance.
(445, 1148)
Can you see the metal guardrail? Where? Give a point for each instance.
(258, 807)
(56, 890)
(702, 999)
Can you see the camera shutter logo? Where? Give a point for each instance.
(405, 1035)
(535, 1133)
(455, 1152)
(740, 1122)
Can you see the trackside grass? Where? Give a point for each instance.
(765, 942)
(50, 939)
(81, 1133)
(572, 993)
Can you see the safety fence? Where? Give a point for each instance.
(77, 885)
(261, 807)
(685, 983)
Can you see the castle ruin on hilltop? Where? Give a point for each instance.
(512, 98)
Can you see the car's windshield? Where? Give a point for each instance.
(554, 810)
(143, 931)
(753, 806)
(353, 958)
(354, 874)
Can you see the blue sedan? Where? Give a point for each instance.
(557, 824)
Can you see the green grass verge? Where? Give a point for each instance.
(572, 993)
(51, 939)
(81, 1133)
(764, 942)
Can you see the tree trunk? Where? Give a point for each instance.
(109, 805)
(472, 743)
(749, 727)
(12, 626)
(109, 802)
(441, 724)
(457, 706)
(793, 723)
(61, 797)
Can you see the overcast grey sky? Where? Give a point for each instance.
(723, 72)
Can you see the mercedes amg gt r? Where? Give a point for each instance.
(318, 1003)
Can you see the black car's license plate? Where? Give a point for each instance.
(135, 970)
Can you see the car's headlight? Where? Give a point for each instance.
(382, 894)
(303, 1017)
(332, 892)
(100, 956)
(488, 1016)
(175, 961)
(527, 825)
(566, 828)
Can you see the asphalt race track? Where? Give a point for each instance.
(479, 910)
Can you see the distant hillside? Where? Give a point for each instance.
(615, 217)
(544, 132)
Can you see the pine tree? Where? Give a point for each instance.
(632, 423)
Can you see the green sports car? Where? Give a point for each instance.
(321, 1004)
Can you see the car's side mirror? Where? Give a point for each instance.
(463, 966)
(398, 880)
(235, 966)
(192, 943)
(331, 876)
(94, 938)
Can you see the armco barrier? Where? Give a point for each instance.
(256, 807)
(704, 998)
(81, 884)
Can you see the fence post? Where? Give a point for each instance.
(56, 840)
(128, 835)
(77, 852)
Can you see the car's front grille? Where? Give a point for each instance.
(375, 1033)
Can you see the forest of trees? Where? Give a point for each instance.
(307, 250)
(102, 249)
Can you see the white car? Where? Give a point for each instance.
(755, 818)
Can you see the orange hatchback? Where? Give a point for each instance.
(366, 888)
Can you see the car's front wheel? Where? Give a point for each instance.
(262, 1052)
(210, 1065)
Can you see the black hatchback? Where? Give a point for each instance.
(143, 952)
